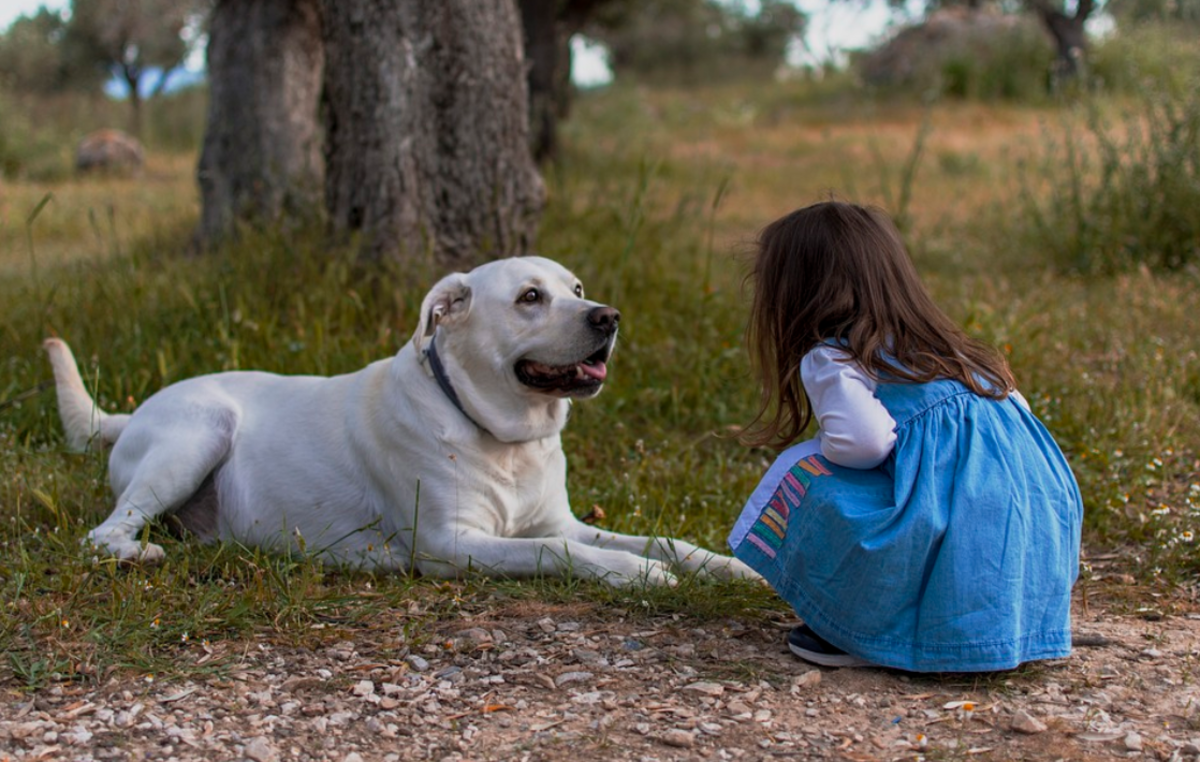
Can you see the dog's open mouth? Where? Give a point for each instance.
(578, 379)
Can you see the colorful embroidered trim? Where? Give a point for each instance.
(768, 531)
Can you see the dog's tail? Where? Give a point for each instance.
(82, 419)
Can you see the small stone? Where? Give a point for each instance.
(1133, 742)
(363, 688)
(260, 750)
(417, 663)
(352, 757)
(706, 688)
(586, 655)
(571, 677)
(1191, 747)
(476, 635)
(808, 679)
(1024, 722)
(738, 708)
(679, 738)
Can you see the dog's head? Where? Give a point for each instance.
(518, 338)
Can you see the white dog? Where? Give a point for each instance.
(446, 457)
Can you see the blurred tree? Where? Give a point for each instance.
(32, 57)
(1063, 20)
(1066, 26)
(1170, 11)
(696, 40)
(129, 37)
(548, 26)
(427, 129)
(261, 159)
(419, 107)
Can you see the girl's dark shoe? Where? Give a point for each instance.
(811, 647)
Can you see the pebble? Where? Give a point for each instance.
(260, 750)
(418, 663)
(1024, 722)
(706, 688)
(679, 738)
(571, 677)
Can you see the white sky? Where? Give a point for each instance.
(10, 9)
(833, 25)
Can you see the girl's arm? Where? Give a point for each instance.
(856, 430)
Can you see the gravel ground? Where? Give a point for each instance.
(530, 681)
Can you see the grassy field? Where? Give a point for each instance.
(654, 205)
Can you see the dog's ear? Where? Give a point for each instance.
(447, 303)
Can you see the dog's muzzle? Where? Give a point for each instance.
(584, 377)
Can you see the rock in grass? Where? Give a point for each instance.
(109, 151)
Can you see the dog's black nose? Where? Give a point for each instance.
(604, 318)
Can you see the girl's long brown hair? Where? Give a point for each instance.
(839, 271)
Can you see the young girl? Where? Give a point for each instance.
(932, 524)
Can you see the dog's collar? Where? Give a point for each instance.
(443, 381)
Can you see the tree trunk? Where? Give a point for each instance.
(547, 54)
(426, 129)
(1068, 33)
(261, 158)
(132, 77)
(549, 26)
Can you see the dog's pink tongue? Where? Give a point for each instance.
(598, 370)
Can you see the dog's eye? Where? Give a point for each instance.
(531, 296)
(579, 290)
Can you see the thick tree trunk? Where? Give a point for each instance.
(261, 158)
(426, 129)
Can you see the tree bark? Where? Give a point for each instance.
(261, 159)
(548, 26)
(1068, 33)
(426, 129)
(547, 54)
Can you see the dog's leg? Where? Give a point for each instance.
(678, 553)
(451, 553)
(160, 471)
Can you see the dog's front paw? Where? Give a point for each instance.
(720, 567)
(126, 551)
(644, 572)
(736, 569)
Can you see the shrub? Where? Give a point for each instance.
(1107, 197)
(1166, 55)
(965, 54)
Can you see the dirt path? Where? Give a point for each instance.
(542, 682)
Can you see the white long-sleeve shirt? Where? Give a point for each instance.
(855, 430)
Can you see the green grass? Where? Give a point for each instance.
(652, 206)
